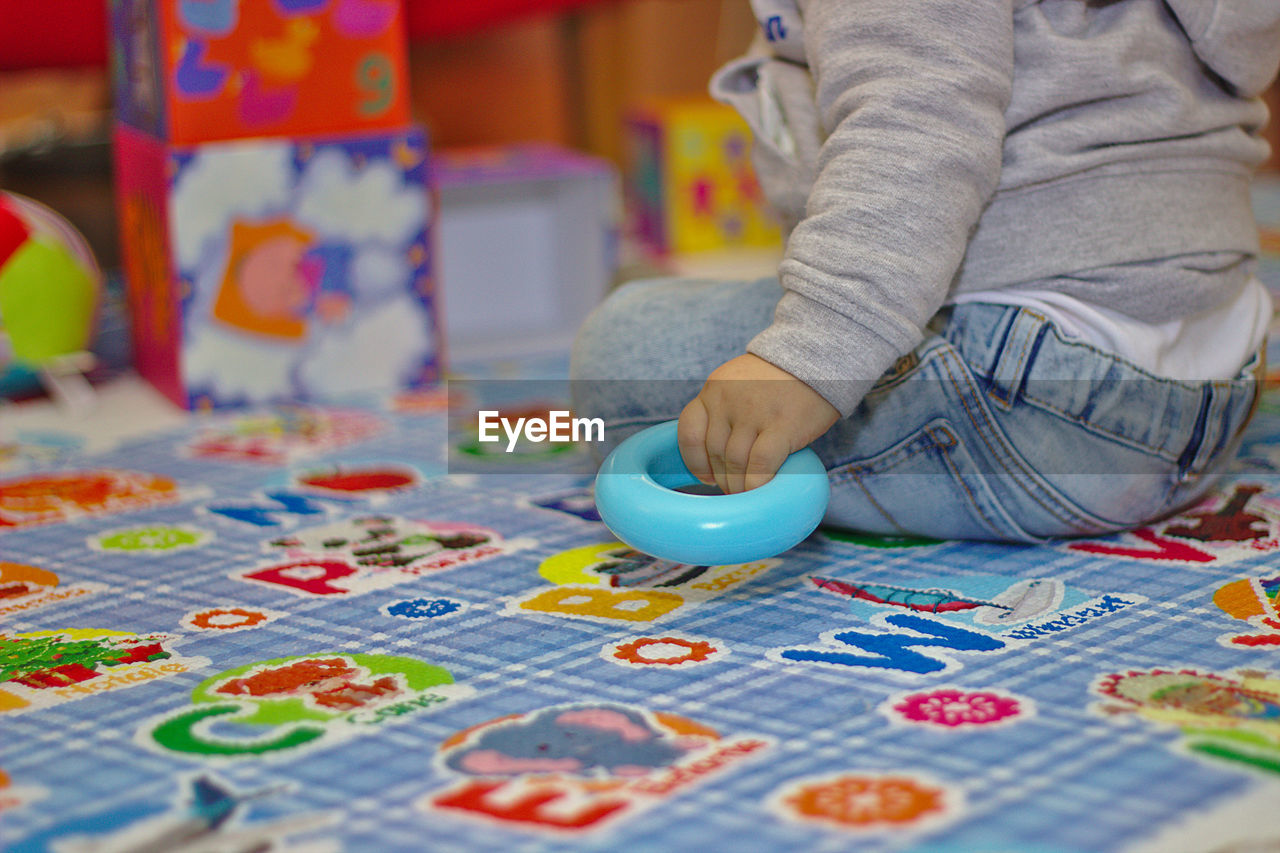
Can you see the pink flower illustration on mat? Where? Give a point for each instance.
(951, 707)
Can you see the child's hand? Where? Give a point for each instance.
(747, 419)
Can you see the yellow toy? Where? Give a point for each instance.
(690, 183)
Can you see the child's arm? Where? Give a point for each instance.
(911, 95)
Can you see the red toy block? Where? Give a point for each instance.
(190, 71)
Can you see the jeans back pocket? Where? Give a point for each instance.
(928, 484)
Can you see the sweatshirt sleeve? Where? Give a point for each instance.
(911, 95)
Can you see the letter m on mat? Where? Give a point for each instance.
(894, 649)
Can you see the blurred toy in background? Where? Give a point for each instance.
(274, 270)
(50, 289)
(690, 183)
(274, 200)
(203, 70)
(527, 240)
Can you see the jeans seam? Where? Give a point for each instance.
(1011, 462)
(1126, 363)
(855, 472)
(854, 475)
(973, 501)
(1023, 350)
(1221, 391)
(1041, 403)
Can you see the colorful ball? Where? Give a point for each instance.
(50, 284)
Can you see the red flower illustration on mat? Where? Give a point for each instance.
(951, 707)
(869, 802)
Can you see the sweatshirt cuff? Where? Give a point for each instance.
(841, 362)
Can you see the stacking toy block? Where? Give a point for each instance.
(189, 71)
(278, 269)
(690, 184)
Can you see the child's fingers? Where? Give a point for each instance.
(737, 451)
(717, 437)
(691, 434)
(768, 453)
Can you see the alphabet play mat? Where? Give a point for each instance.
(293, 628)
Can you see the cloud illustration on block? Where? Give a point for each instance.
(239, 366)
(357, 204)
(225, 182)
(378, 273)
(356, 357)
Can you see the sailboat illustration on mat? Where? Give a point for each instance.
(1021, 601)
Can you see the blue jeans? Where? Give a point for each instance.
(996, 427)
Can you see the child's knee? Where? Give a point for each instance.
(592, 355)
(615, 335)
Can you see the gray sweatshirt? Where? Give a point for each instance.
(916, 149)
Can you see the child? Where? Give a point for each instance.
(1017, 300)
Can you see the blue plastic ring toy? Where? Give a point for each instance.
(637, 500)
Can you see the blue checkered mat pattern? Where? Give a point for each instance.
(294, 628)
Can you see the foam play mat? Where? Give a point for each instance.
(298, 628)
